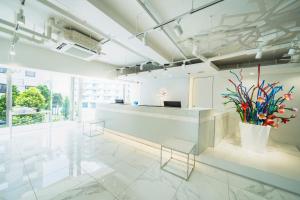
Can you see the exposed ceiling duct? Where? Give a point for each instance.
(152, 66)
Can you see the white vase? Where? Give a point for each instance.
(254, 137)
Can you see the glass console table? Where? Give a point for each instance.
(93, 128)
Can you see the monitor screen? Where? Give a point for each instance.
(172, 104)
(121, 101)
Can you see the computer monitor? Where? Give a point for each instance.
(120, 101)
(176, 104)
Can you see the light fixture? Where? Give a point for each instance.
(292, 51)
(258, 54)
(14, 41)
(177, 28)
(251, 73)
(144, 39)
(195, 49)
(183, 65)
(21, 17)
(12, 51)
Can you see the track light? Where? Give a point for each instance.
(177, 28)
(183, 65)
(21, 17)
(195, 49)
(292, 51)
(144, 39)
(258, 54)
(12, 51)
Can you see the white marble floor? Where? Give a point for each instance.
(61, 164)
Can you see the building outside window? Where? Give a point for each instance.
(3, 70)
(29, 73)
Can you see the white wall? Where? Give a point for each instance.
(177, 90)
(45, 59)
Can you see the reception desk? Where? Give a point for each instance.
(157, 124)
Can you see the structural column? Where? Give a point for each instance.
(9, 99)
(72, 98)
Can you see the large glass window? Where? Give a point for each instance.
(30, 96)
(3, 89)
(72, 97)
(89, 92)
(61, 97)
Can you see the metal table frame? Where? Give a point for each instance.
(189, 166)
(90, 123)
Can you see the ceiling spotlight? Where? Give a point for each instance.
(258, 54)
(195, 49)
(12, 51)
(292, 51)
(177, 28)
(144, 39)
(21, 17)
(183, 65)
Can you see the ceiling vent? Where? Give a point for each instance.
(77, 44)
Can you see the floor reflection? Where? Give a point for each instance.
(57, 162)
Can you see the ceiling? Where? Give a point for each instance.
(227, 33)
(227, 27)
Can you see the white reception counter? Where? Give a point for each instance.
(157, 124)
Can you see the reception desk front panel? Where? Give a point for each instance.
(157, 124)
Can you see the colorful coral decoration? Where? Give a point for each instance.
(260, 104)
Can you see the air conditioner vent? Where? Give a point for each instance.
(77, 44)
(84, 48)
(61, 46)
(79, 53)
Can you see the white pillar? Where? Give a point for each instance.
(80, 87)
(72, 98)
(9, 99)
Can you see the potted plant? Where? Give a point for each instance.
(260, 108)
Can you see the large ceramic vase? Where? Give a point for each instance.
(254, 137)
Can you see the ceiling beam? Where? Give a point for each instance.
(162, 28)
(84, 25)
(192, 11)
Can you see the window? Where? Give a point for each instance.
(84, 105)
(2, 88)
(92, 105)
(3, 70)
(30, 74)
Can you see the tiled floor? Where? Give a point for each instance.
(61, 164)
